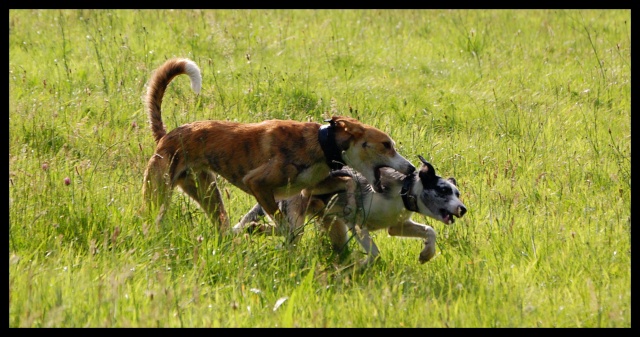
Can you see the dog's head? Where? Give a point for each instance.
(367, 149)
(438, 198)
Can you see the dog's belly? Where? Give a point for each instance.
(306, 178)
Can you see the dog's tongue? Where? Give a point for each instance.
(447, 219)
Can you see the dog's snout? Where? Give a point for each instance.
(411, 169)
(461, 211)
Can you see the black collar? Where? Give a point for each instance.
(410, 201)
(327, 139)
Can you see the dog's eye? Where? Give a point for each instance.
(387, 145)
(364, 144)
(443, 190)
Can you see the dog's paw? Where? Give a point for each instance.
(367, 262)
(252, 227)
(259, 228)
(428, 252)
(237, 229)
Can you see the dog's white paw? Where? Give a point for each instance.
(237, 229)
(260, 228)
(252, 227)
(428, 252)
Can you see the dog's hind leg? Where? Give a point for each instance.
(337, 231)
(295, 210)
(202, 187)
(156, 188)
(417, 230)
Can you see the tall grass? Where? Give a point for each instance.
(528, 109)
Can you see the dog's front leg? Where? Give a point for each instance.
(365, 240)
(262, 183)
(249, 219)
(271, 210)
(295, 210)
(413, 229)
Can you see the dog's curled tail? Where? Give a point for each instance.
(158, 84)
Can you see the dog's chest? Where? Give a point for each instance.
(307, 177)
(383, 212)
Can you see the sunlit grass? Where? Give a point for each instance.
(529, 110)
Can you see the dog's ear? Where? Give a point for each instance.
(427, 173)
(349, 125)
(453, 181)
(347, 129)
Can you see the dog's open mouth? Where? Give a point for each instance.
(447, 217)
(377, 184)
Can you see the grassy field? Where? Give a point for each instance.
(528, 110)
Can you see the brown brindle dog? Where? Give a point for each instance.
(270, 160)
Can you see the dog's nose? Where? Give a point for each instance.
(411, 169)
(461, 211)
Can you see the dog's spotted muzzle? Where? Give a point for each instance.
(449, 218)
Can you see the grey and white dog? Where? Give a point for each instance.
(358, 207)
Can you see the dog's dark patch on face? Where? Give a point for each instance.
(442, 188)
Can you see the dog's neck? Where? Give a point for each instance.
(327, 140)
(410, 201)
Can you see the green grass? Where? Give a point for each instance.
(529, 110)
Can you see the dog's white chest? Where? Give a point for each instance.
(381, 212)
